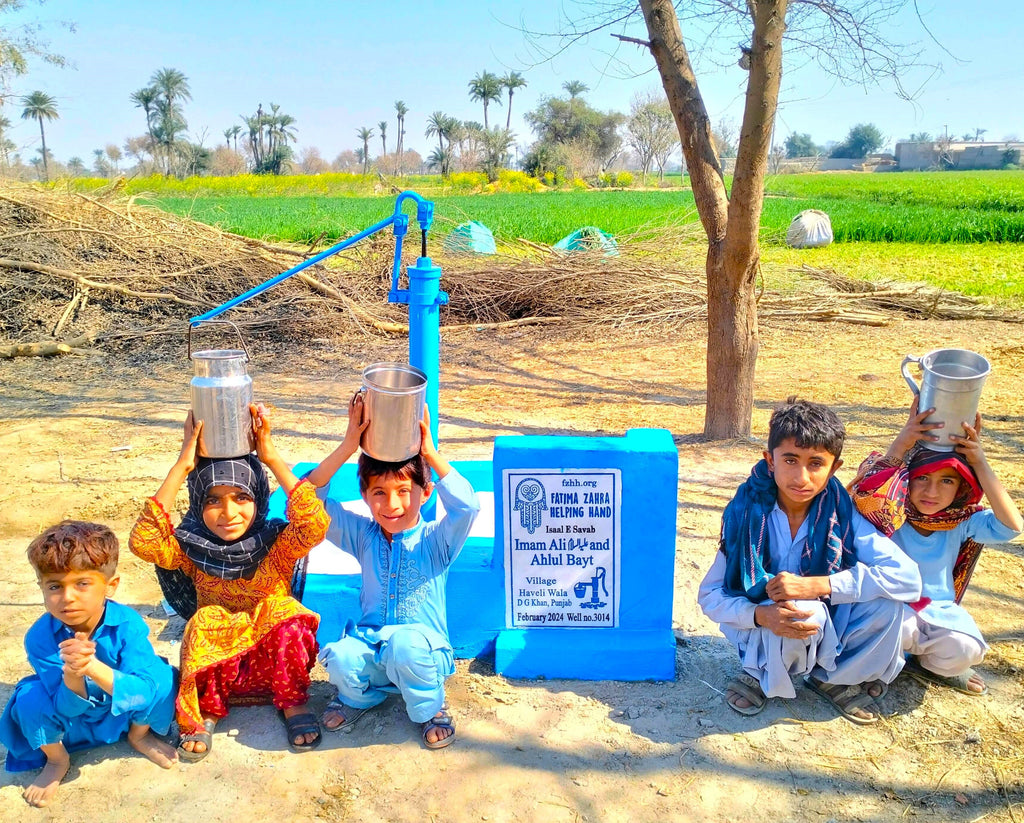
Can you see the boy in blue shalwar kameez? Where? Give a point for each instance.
(401, 641)
(803, 585)
(96, 677)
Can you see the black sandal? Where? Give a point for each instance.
(205, 737)
(301, 724)
(441, 721)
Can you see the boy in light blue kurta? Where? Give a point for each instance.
(96, 677)
(400, 643)
(802, 584)
(928, 500)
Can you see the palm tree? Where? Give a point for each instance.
(171, 87)
(437, 124)
(383, 126)
(100, 164)
(574, 88)
(281, 131)
(486, 88)
(145, 99)
(400, 111)
(365, 134)
(40, 106)
(172, 84)
(227, 137)
(512, 81)
(269, 135)
(497, 143)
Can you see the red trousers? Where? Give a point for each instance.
(278, 668)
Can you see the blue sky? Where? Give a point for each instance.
(337, 66)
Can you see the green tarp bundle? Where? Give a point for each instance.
(470, 238)
(589, 238)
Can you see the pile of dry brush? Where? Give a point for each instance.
(79, 272)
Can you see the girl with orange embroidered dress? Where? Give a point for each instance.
(249, 640)
(927, 501)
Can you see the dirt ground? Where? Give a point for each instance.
(535, 750)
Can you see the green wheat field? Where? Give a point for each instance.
(958, 230)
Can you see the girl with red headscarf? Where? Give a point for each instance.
(928, 502)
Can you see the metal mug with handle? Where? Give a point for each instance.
(951, 382)
(393, 399)
(221, 390)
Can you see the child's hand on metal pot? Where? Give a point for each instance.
(430, 453)
(969, 444)
(190, 443)
(427, 448)
(914, 430)
(357, 422)
(266, 451)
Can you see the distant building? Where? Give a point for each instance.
(957, 154)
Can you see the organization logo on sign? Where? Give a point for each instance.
(530, 501)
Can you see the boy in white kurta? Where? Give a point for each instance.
(802, 584)
(928, 501)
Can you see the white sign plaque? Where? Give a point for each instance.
(563, 535)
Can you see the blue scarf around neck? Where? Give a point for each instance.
(746, 541)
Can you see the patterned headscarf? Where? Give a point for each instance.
(240, 559)
(881, 490)
(745, 533)
(925, 461)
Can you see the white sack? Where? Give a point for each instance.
(810, 229)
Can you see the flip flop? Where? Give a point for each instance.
(300, 724)
(349, 715)
(749, 689)
(958, 682)
(205, 737)
(847, 698)
(441, 721)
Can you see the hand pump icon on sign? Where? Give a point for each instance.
(580, 590)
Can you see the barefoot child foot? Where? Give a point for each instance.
(151, 747)
(40, 791)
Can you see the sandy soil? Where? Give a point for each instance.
(535, 750)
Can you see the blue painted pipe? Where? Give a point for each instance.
(424, 296)
(305, 264)
(425, 299)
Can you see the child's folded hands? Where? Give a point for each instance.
(77, 653)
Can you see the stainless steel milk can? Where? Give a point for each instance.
(221, 393)
(951, 381)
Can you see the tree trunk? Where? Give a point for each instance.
(731, 224)
(42, 135)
